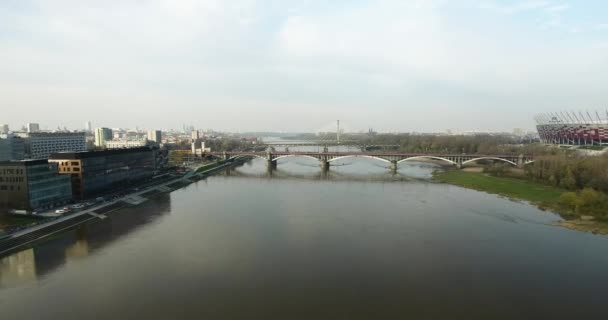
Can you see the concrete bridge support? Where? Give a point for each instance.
(520, 161)
(324, 165)
(393, 166)
(272, 164)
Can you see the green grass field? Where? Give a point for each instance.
(521, 189)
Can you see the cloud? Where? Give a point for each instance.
(517, 7)
(208, 59)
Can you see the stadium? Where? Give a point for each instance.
(573, 128)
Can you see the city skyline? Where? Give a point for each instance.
(293, 67)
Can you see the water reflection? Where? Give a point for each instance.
(34, 263)
(356, 169)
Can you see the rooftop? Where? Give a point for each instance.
(22, 163)
(92, 154)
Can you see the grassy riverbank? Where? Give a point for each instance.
(543, 196)
(520, 189)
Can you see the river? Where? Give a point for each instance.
(355, 243)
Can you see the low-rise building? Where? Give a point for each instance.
(120, 144)
(95, 172)
(32, 185)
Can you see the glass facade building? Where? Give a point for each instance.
(11, 147)
(96, 172)
(32, 185)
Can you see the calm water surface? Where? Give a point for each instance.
(357, 243)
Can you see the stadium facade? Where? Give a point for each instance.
(573, 128)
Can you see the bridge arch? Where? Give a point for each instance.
(358, 156)
(427, 157)
(490, 158)
(253, 155)
(295, 155)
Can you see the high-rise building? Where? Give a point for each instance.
(102, 135)
(33, 127)
(39, 145)
(32, 184)
(195, 135)
(12, 147)
(87, 126)
(155, 136)
(95, 172)
(4, 129)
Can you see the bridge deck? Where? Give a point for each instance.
(377, 154)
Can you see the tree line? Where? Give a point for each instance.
(586, 178)
(480, 144)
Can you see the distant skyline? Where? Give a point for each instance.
(297, 66)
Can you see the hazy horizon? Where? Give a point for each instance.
(297, 66)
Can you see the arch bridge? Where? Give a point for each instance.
(393, 159)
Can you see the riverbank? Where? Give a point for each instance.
(543, 196)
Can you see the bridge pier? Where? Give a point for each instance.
(393, 166)
(324, 165)
(272, 164)
(520, 161)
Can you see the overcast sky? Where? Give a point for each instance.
(280, 65)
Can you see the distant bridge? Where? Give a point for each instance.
(355, 144)
(392, 158)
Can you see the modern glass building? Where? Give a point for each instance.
(95, 172)
(32, 185)
(102, 135)
(11, 147)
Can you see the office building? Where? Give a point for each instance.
(95, 172)
(155, 136)
(4, 129)
(32, 185)
(87, 126)
(102, 135)
(39, 145)
(33, 127)
(12, 147)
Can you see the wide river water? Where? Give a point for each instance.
(356, 243)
